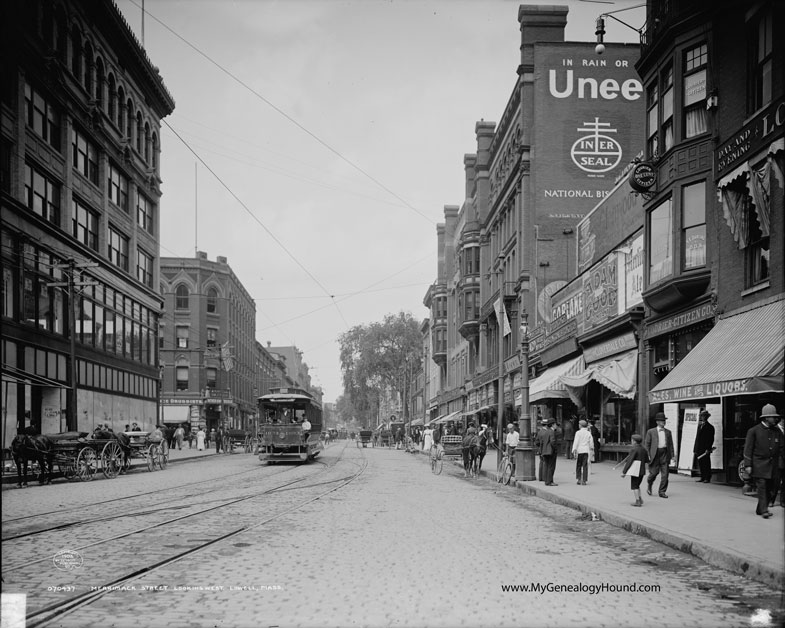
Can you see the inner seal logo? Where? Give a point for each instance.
(67, 560)
(596, 151)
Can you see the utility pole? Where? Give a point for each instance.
(70, 273)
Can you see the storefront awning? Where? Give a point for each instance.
(416, 422)
(742, 354)
(447, 417)
(13, 374)
(549, 386)
(618, 373)
(176, 414)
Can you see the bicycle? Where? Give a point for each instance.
(506, 469)
(436, 455)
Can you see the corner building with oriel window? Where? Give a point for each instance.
(82, 105)
(714, 283)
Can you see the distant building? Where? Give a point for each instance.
(80, 201)
(207, 344)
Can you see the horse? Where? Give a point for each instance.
(469, 450)
(478, 452)
(37, 448)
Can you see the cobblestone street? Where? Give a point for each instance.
(402, 547)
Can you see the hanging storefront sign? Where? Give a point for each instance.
(643, 177)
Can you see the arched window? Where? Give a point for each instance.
(61, 41)
(129, 120)
(100, 82)
(181, 297)
(155, 151)
(76, 53)
(47, 24)
(121, 109)
(139, 132)
(88, 69)
(112, 110)
(212, 300)
(147, 143)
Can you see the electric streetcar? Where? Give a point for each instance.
(283, 412)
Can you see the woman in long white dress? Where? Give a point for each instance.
(200, 440)
(427, 439)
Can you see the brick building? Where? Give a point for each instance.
(80, 200)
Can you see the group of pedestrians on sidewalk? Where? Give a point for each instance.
(651, 455)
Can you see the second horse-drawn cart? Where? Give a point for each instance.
(79, 456)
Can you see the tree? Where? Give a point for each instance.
(378, 357)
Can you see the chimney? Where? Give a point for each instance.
(201, 255)
(221, 259)
(470, 168)
(540, 23)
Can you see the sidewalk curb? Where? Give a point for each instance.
(723, 558)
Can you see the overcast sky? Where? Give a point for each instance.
(319, 141)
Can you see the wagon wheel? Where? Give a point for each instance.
(151, 453)
(68, 469)
(163, 455)
(86, 464)
(112, 458)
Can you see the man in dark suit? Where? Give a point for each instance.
(704, 445)
(659, 445)
(549, 450)
(762, 451)
(541, 430)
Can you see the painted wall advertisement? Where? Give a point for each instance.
(586, 129)
(610, 222)
(587, 125)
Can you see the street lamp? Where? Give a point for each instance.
(524, 452)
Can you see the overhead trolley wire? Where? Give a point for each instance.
(280, 111)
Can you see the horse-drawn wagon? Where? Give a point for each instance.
(364, 438)
(236, 438)
(112, 453)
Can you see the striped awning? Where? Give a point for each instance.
(742, 354)
(549, 386)
(447, 417)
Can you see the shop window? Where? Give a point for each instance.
(693, 225)
(660, 238)
(618, 421)
(760, 60)
(694, 83)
